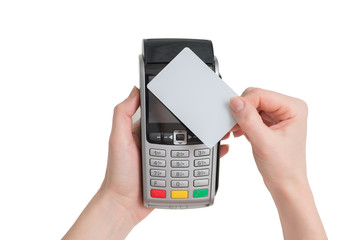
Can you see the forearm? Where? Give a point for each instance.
(299, 217)
(101, 219)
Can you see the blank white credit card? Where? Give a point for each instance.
(197, 96)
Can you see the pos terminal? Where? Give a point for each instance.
(178, 170)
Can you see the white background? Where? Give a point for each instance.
(65, 64)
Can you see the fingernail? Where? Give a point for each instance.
(133, 92)
(236, 104)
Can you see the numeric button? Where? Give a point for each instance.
(157, 152)
(157, 163)
(179, 164)
(157, 173)
(201, 172)
(179, 174)
(202, 152)
(202, 162)
(179, 153)
(179, 184)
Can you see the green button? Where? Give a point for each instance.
(200, 193)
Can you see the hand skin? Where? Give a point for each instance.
(117, 207)
(275, 125)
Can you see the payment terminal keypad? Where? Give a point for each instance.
(180, 174)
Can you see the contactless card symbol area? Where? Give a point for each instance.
(197, 96)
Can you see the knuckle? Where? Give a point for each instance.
(247, 91)
(252, 91)
(256, 91)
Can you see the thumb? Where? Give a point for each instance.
(248, 119)
(121, 133)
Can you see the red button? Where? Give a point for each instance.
(158, 193)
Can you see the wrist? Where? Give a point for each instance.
(114, 213)
(289, 190)
(102, 218)
(297, 210)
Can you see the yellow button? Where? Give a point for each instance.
(179, 194)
